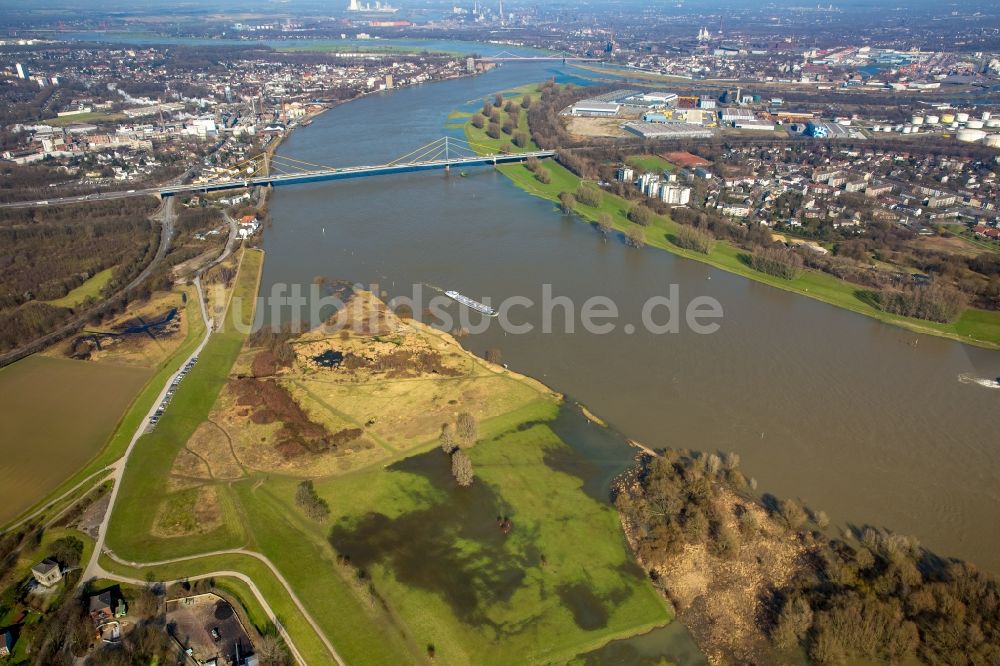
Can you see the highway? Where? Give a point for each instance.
(318, 175)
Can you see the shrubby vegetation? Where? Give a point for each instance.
(776, 261)
(640, 214)
(605, 224)
(589, 195)
(933, 302)
(312, 504)
(461, 468)
(635, 237)
(465, 431)
(691, 238)
(567, 202)
(871, 595)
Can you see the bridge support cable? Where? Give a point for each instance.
(268, 169)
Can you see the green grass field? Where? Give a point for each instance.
(146, 474)
(92, 117)
(979, 327)
(561, 583)
(653, 163)
(90, 289)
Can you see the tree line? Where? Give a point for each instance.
(868, 594)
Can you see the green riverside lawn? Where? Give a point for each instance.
(562, 583)
(145, 475)
(974, 326)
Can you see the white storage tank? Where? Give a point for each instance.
(974, 124)
(986, 115)
(933, 120)
(993, 122)
(962, 117)
(908, 129)
(917, 120)
(993, 141)
(970, 135)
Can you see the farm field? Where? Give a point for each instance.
(59, 414)
(407, 567)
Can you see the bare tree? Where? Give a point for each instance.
(271, 651)
(461, 468)
(604, 224)
(447, 439)
(468, 431)
(635, 237)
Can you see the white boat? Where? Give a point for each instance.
(987, 383)
(469, 303)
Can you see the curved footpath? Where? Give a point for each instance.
(95, 570)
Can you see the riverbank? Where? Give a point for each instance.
(974, 326)
(537, 552)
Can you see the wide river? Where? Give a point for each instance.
(863, 420)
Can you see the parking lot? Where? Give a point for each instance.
(155, 418)
(209, 628)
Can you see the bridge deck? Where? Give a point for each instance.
(354, 172)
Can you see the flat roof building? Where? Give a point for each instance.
(667, 130)
(588, 107)
(736, 115)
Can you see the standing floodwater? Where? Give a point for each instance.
(842, 411)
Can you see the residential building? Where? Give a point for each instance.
(22, 71)
(106, 606)
(6, 643)
(47, 573)
(626, 174)
(675, 195)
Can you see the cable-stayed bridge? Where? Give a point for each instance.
(267, 169)
(507, 56)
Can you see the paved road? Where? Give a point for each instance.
(94, 568)
(103, 196)
(167, 215)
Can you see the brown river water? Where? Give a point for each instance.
(865, 421)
